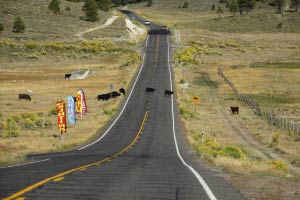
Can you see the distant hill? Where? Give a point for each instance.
(41, 23)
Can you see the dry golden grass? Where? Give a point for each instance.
(47, 82)
(237, 48)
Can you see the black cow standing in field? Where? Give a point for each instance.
(104, 97)
(168, 93)
(234, 110)
(68, 76)
(25, 96)
(122, 90)
(149, 90)
(115, 94)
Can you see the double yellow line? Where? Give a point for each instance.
(60, 176)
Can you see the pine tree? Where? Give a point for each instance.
(124, 2)
(54, 6)
(1, 27)
(185, 4)
(219, 11)
(19, 26)
(91, 10)
(234, 7)
(213, 7)
(117, 2)
(150, 3)
(280, 5)
(104, 5)
(246, 5)
(295, 4)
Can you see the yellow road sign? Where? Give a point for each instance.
(196, 99)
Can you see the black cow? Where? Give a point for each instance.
(68, 76)
(104, 97)
(25, 96)
(115, 94)
(168, 92)
(122, 90)
(234, 110)
(149, 90)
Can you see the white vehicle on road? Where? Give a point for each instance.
(147, 23)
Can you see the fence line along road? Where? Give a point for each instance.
(264, 113)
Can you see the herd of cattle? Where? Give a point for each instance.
(114, 94)
(151, 90)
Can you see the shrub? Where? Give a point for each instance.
(91, 11)
(15, 118)
(67, 8)
(108, 112)
(19, 25)
(209, 148)
(52, 111)
(29, 123)
(234, 152)
(274, 140)
(279, 165)
(31, 45)
(132, 59)
(185, 4)
(10, 129)
(31, 116)
(186, 113)
(54, 6)
(32, 56)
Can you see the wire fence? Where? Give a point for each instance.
(267, 114)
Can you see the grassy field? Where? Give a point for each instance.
(35, 120)
(262, 60)
(37, 60)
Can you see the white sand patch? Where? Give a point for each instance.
(80, 74)
(134, 31)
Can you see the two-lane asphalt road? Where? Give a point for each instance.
(142, 155)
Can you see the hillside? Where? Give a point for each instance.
(41, 23)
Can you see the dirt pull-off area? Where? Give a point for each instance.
(266, 187)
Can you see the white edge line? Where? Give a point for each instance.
(38, 161)
(141, 68)
(200, 179)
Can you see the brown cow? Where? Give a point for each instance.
(234, 110)
(24, 96)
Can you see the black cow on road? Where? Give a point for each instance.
(234, 110)
(25, 96)
(122, 90)
(149, 90)
(68, 76)
(168, 92)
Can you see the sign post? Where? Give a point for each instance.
(196, 100)
(111, 87)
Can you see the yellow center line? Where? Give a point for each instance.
(61, 175)
(58, 179)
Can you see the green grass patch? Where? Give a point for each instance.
(186, 113)
(267, 99)
(284, 65)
